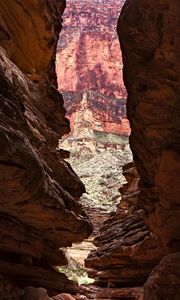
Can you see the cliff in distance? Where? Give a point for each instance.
(88, 56)
(40, 212)
(89, 72)
(89, 61)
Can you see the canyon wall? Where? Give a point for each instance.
(39, 202)
(88, 49)
(39, 210)
(89, 64)
(89, 72)
(127, 251)
(149, 34)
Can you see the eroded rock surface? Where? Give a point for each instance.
(88, 56)
(39, 210)
(95, 292)
(149, 34)
(164, 281)
(126, 250)
(89, 63)
(10, 291)
(150, 45)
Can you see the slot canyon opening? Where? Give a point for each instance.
(89, 74)
(137, 255)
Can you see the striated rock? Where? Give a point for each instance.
(39, 210)
(164, 281)
(32, 49)
(126, 253)
(105, 113)
(88, 26)
(149, 34)
(85, 73)
(63, 297)
(95, 292)
(95, 125)
(10, 292)
(126, 250)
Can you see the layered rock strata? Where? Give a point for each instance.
(149, 34)
(39, 210)
(96, 292)
(84, 72)
(105, 113)
(126, 250)
(10, 291)
(88, 26)
(150, 44)
(164, 281)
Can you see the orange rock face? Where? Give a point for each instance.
(89, 61)
(89, 55)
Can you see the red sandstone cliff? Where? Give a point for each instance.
(88, 55)
(89, 61)
(38, 208)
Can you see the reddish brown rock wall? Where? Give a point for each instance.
(90, 26)
(89, 61)
(126, 250)
(39, 210)
(149, 34)
(164, 281)
(150, 45)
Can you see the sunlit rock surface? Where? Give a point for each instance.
(88, 56)
(89, 72)
(89, 64)
(39, 212)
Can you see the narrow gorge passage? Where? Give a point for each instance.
(137, 254)
(89, 74)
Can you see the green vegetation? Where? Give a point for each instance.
(112, 138)
(102, 176)
(75, 271)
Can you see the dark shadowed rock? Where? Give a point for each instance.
(126, 249)
(164, 281)
(39, 210)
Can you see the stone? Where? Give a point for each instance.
(164, 281)
(96, 107)
(32, 50)
(90, 77)
(63, 296)
(94, 292)
(39, 209)
(149, 35)
(88, 26)
(8, 291)
(126, 250)
(35, 294)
